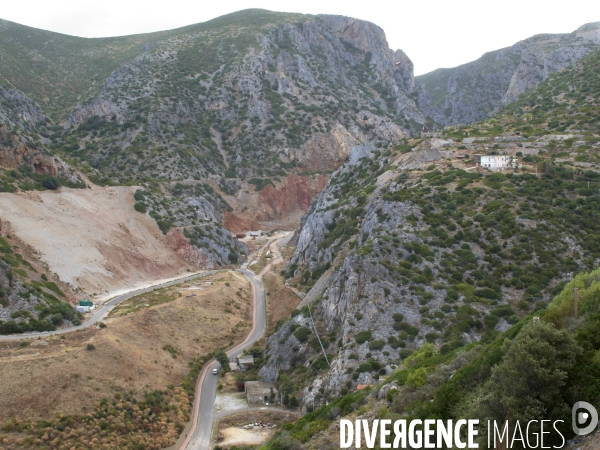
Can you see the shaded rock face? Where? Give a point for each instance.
(20, 144)
(16, 109)
(14, 296)
(296, 194)
(213, 251)
(359, 296)
(16, 151)
(100, 108)
(481, 88)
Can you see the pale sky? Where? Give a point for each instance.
(434, 33)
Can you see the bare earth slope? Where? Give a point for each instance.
(91, 238)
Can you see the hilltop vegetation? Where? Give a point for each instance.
(480, 89)
(216, 100)
(61, 71)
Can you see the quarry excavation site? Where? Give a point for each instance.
(237, 234)
(91, 239)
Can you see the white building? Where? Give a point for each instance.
(497, 162)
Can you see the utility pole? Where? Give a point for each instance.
(576, 301)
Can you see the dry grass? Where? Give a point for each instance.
(137, 352)
(154, 298)
(228, 382)
(281, 300)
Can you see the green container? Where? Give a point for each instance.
(85, 303)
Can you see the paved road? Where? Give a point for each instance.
(103, 311)
(204, 406)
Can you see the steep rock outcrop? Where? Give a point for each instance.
(201, 258)
(432, 256)
(478, 89)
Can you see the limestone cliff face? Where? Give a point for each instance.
(212, 254)
(360, 295)
(16, 109)
(481, 88)
(299, 93)
(383, 275)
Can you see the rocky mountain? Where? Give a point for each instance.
(417, 243)
(481, 88)
(256, 97)
(240, 121)
(567, 102)
(56, 70)
(494, 380)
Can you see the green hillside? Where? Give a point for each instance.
(436, 83)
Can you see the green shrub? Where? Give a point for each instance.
(302, 334)
(363, 337)
(51, 182)
(376, 345)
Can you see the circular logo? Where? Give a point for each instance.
(580, 418)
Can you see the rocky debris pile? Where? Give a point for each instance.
(257, 425)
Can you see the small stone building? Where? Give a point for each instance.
(497, 162)
(244, 362)
(260, 391)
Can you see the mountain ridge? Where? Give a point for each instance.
(480, 88)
